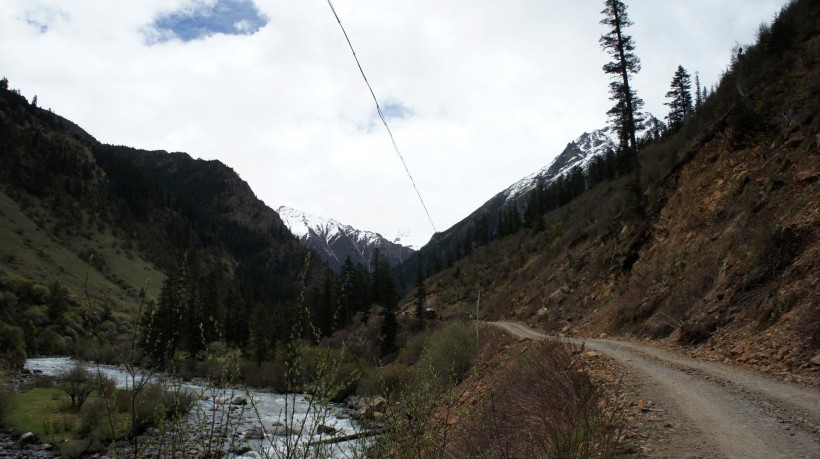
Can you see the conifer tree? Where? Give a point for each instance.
(625, 115)
(161, 326)
(698, 94)
(325, 310)
(260, 345)
(384, 294)
(346, 295)
(681, 106)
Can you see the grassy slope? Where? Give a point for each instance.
(29, 251)
(42, 411)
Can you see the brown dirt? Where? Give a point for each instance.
(683, 407)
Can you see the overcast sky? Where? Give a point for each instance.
(478, 93)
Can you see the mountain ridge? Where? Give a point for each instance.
(578, 152)
(335, 241)
(486, 222)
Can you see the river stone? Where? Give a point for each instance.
(239, 401)
(27, 438)
(242, 450)
(326, 430)
(255, 433)
(378, 402)
(281, 431)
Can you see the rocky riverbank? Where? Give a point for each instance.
(25, 446)
(245, 420)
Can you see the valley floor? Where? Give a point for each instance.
(690, 408)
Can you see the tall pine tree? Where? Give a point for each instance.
(162, 325)
(681, 105)
(625, 114)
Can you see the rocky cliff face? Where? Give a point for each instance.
(335, 241)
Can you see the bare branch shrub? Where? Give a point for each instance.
(546, 406)
(78, 383)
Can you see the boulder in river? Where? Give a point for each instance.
(254, 433)
(241, 450)
(27, 438)
(282, 430)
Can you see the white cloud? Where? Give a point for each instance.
(42, 18)
(495, 90)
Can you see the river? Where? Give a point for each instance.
(269, 424)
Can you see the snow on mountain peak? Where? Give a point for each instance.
(579, 153)
(302, 224)
(298, 222)
(334, 241)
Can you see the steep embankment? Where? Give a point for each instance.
(723, 260)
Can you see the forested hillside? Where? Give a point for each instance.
(723, 251)
(92, 231)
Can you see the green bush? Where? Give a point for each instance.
(396, 379)
(369, 383)
(105, 385)
(450, 351)
(346, 379)
(156, 402)
(412, 350)
(391, 382)
(12, 347)
(92, 415)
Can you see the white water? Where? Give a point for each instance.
(264, 409)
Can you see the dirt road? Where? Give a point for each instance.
(720, 410)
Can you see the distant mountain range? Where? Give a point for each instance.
(335, 241)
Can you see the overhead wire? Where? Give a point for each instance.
(381, 116)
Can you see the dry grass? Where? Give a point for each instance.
(544, 405)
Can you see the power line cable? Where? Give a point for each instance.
(381, 115)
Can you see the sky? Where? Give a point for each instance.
(478, 94)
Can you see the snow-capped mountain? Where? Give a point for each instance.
(579, 152)
(335, 241)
